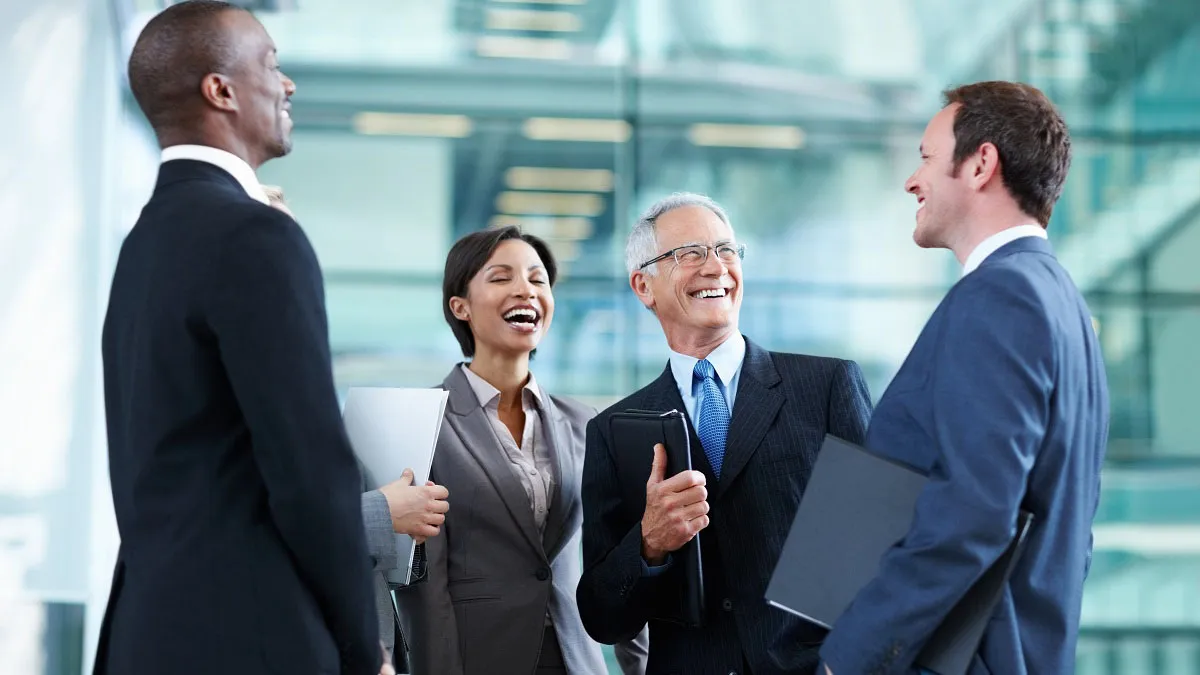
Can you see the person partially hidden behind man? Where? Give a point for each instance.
(395, 508)
(237, 495)
(757, 420)
(1003, 401)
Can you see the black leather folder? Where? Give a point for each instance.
(634, 434)
(857, 506)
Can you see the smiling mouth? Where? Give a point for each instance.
(710, 293)
(523, 317)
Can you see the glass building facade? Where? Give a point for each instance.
(417, 121)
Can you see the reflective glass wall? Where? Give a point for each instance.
(420, 120)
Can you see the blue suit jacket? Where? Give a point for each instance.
(1003, 401)
(785, 405)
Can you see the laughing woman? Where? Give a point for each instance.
(499, 598)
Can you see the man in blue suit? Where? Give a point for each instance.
(1003, 401)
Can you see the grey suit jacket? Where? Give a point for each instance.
(381, 545)
(492, 578)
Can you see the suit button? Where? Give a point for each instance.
(727, 605)
(542, 574)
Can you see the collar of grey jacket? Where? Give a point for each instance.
(469, 420)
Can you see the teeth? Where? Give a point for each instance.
(711, 293)
(527, 313)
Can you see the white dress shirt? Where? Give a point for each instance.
(231, 163)
(996, 241)
(726, 360)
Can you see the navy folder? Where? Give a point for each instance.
(634, 434)
(857, 506)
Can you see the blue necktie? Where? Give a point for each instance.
(713, 412)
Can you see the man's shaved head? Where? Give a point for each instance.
(175, 51)
(207, 73)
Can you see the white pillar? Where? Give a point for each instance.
(66, 167)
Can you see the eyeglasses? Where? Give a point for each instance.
(695, 255)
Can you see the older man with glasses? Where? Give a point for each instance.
(757, 419)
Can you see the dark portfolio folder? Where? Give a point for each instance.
(634, 434)
(857, 506)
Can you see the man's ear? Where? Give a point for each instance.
(217, 90)
(458, 307)
(639, 281)
(983, 166)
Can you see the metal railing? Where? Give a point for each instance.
(1139, 650)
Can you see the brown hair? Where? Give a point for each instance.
(1028, 132)
(467, 257)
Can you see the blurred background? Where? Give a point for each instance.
(417, 121)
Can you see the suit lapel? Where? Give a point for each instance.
(664, 396)
(758, 402)
(471, 423)
(555, 435)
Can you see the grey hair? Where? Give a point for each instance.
(643, 240)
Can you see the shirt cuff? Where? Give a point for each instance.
(648, 571)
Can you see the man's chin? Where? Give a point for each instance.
(719, 320)
(281, 146)
(923, 239)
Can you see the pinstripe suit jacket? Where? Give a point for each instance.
(785, 405)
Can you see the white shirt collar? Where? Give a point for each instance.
(726, 360)
(996, 241)
(231, 163)
(486, 393)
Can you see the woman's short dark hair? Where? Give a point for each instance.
(467, 257)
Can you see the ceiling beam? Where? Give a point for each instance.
(504, 89)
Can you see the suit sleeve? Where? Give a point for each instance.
(990, 388)
(633, 655)
(381, 538)
(268, 315)
(615, 598)
(427, 615)
(849, 403)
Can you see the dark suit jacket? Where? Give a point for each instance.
(1004, 401)
(236, 493)
(493, 577)
(785, 405)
